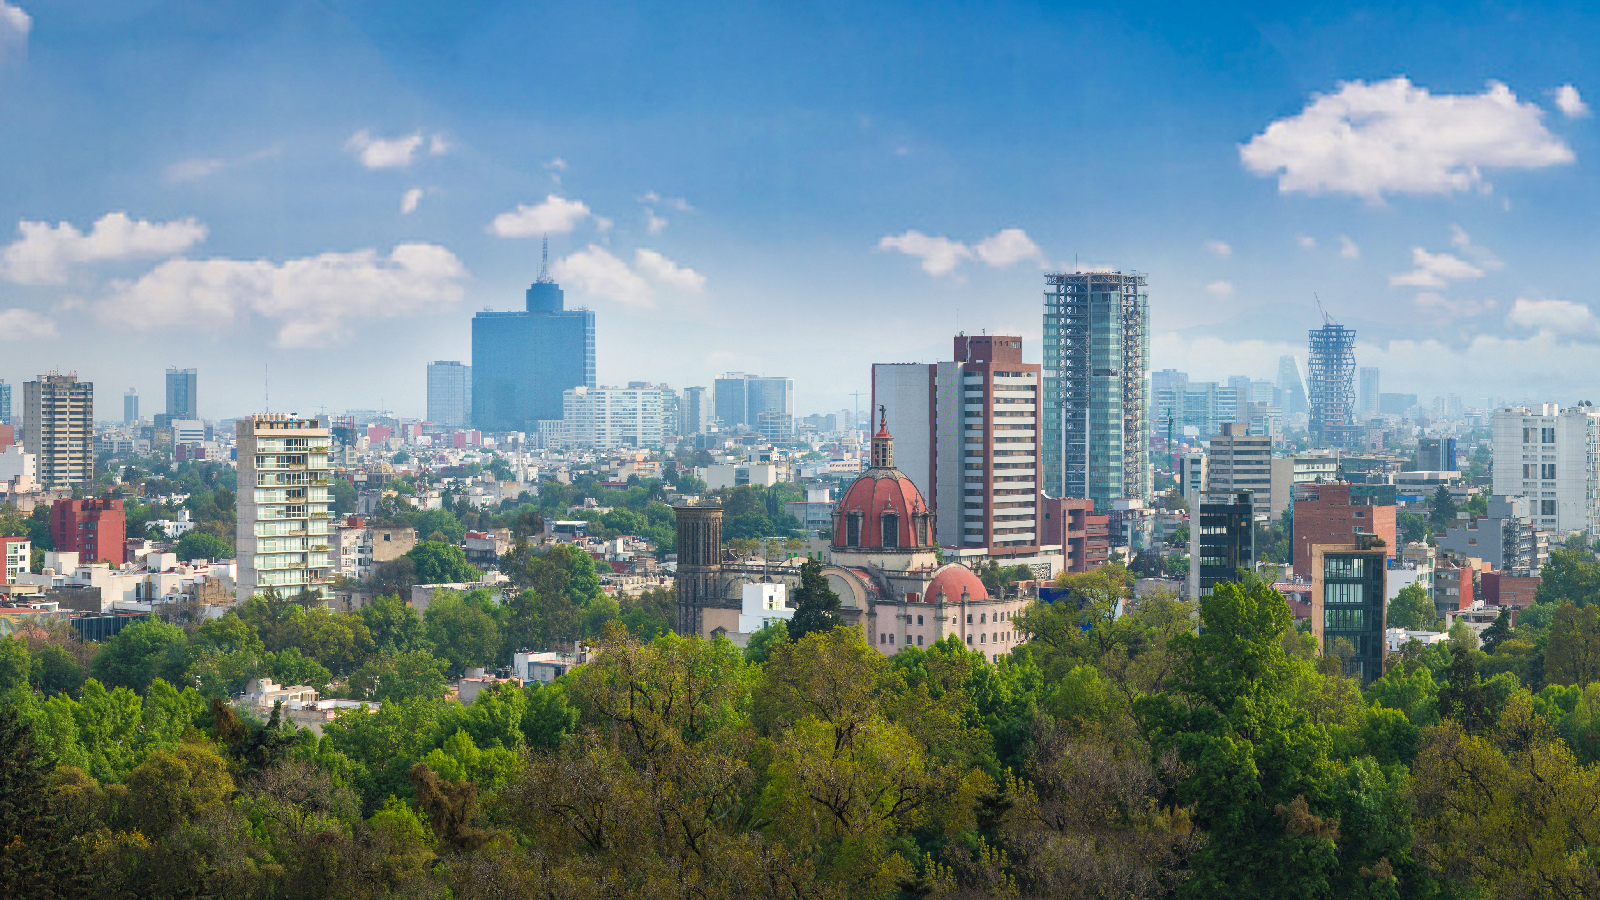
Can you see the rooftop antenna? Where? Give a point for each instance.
(544, 262)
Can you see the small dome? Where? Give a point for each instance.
(882, 509)
(952, 579)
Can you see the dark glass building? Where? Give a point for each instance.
(523, 361)
(1221, 539)
(1347, 609)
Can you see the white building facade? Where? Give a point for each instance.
(1552, 457)
(284, 506)
(607, 418)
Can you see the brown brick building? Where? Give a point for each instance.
(1084, 537)
(1329, 514)
(93, 529)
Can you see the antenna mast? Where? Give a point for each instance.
(544, 262)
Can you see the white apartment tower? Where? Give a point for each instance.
(284, 506)
(1552, 457)
(58, 418)
(606, 417)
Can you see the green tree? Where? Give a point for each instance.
(200, 545)
(441, 563)
(140, 653)
(36, 858)
(55, 670)
(462, 633)
(16, 665)
(442, 521)
(394, 625)
(1573, 653)
(344, 496)
(816, 606)
(1441, 509)
(1464, 698)
(1497, 633)
(399, 677)
(1569, 575)
(764, 639)
(1413, 528)
(1413, 610)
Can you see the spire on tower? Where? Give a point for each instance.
(544, 263)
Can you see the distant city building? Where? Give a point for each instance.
(1436, 454)
(1083, 536)
(1166, 380)
(1291, 389)
(1551, 455)
(1368, 402)
(1330, 388)
(1341, 514)
(5, 403)
(694, 411)
(731, 399)
(284, 504)
(607, 418)
(1221, 539)
(1347, 603)
(183, 394)
(58, 421)
(449, 393)
(741, 398)
(1505, 538)
(130, 407)
(1201, 405)
(523, 362)
(1238, 461)
(1096, 441)
(968, 440)
(96, 530)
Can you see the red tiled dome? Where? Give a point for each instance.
(882, 509)
(953, 578)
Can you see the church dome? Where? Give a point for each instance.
(952, 579)
(882, 509)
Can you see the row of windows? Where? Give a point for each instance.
(1539, 470)
(1541, 435)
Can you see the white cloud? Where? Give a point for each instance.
(1570, 104)
(1481, 256)
(1306, 241)
(555, 215)
(1220, 289)
(1393, 137)
(556, 165)
(595, 271)
(14, 27)
(659, 268)
(44, 253)
(409, 201)
(1007, 247)
(192, 170)
(1435, 270)
(393, 153)
(25, 324)
(1348, 248)
(316, 301)
(939, 255)
(1553, 317)
(652, 222)
(1450, 308)
(1222, 248)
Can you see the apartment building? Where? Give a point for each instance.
(1551, 456)
(284, 506)
(607, 418)
(58, 418)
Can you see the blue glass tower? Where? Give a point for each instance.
(522, 361)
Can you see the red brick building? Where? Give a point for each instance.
(1084, 537)
(1516, 591)
(1328, 514)
(94, 529)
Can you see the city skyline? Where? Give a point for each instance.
(917, 205)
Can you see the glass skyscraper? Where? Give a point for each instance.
(182, 394)
(522, 362)
(449, 393)
(1096, 441)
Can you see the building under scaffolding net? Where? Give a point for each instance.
(1330, 386)
(1096, 440)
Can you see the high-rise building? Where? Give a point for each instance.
(183, 394)
(1396, 404)
(449, 393)
(608, 417)
(1347, 604)
(1221, 539)
(741, 398)
(1239, 461)
(523, 362)
(58, 420)
(130, 407)
(283, 507)
(694, 411)
(1166, 380)
(1436, 454)
(1202, 405)
(731, 395)
(968, 441)
(1096, 441)
(1292, 391)
(5, 403)
(94, 529)
(1367, 404)
(1551, 456)
(1330, 390)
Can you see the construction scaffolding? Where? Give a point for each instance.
(1096, 441)
(1330, 385)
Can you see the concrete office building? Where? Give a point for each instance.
(183, 399)
(58, 418)
(449, 393)
(731, 398)
(1347, 603)
(130, 407)
(1221, 539)
(969, 440)
(16, 558)
(1505, 538)
(1552, 456)
(1367, 396)
(1239, 461)
(524, 362)
(1096, 436)
(694, 411)
(284, 505)
(607, 418)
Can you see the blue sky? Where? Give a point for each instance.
(325, 192)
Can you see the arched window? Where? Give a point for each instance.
(891, 530)
(852, 530)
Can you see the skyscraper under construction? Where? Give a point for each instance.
(1330, 386)
(1096, 440)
